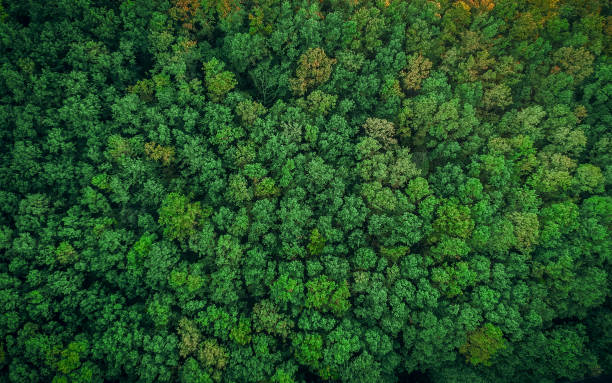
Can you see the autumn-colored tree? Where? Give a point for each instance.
(190, 337)
(156, 152)
(211, 354)
(314, 68)
(382, 130)
(481, 5)
(418, 69)
(184, 11)
(578, 62)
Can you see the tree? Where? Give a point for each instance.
(191, 372)
(218, 82)
(526, 229)
(483, 344)
(589, 178)
(180, 217)
(381, 130)
(317, 242)
(308, 349)
(157, 152)
(454, 220)
(266, 318)
(314, 68)
(576, 62)
(418, 69)
(190, 337)
(326, 295)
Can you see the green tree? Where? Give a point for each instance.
(180, 217)
(218, 82)
(483, 344)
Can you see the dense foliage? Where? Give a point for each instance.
(204, 191)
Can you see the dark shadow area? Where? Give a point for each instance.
(593, 379)
(414, 377)
(23, 20)
(307, 376)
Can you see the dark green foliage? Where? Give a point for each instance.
(209, 191)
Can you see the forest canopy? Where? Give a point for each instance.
(210, 191)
